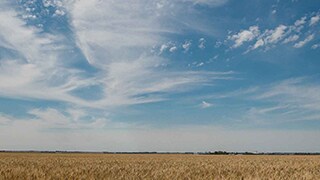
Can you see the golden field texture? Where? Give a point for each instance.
(153, 166)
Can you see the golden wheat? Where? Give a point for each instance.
(108, 166)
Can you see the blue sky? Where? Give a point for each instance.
(182, 75)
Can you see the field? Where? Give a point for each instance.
(153, 166)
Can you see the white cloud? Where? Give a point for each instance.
(205, 105)
(186, 46)
(315, 46)
(304, 42)
(170, 46)
(258, 44)
(271, 37)
(163, 48)
(173, 49)
(202, 42)
(291, 39)
(52, 3)
(298, 25)
(59, 12)
(200, 64)
(314, 20)
(301, 21)
(244, 36)
(276, 35)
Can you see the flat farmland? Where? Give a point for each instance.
(156, 166)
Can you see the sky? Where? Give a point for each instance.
(161, 75)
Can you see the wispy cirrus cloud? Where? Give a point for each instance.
(68, 119)
(34, 70)
(72, 118)
(290, 100)
(129, 71)
(115, 39)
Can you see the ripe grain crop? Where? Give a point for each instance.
(155, 166)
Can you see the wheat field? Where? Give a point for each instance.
(156, 166)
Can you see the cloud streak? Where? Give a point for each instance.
(304, 42)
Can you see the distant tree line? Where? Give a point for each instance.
(154, 152)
